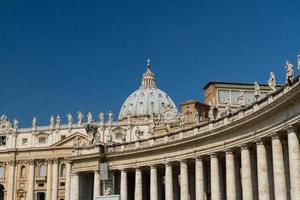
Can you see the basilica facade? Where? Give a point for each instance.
(241, 142)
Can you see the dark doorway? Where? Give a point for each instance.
(86, 186)
(40, 196)
(1, 192)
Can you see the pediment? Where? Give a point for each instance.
(69, 141)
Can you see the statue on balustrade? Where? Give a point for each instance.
(79, 117)
(34, 122)
(256, 90)
(272, 81)
(101, 118)
(16, 123)
(289, 72)
(52, 121)
(70, 118)
(92, 131)
(89, 118)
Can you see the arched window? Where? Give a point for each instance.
(23, 172)
(63, 170)
(1, 171)
(42, 170)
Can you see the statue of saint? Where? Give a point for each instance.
(70, 118)
(196, 117)
(228, 106)
(51, 121)
(211, 115)
(289, 72)
(79, 117)
(241, 99)
(101, 117)
(256, 90)
(89, 118)
(110, 117)
(272, 81)
(57, 121)
(34, 122)
(16, 123)
(180, 118)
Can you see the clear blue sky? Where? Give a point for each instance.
(63, 56)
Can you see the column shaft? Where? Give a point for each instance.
(278, 170)
(247, 189)
(294, 161)
(262, 172)
(11, 175)
(184, 182)
(54, 179)
(169, 182)
(49, 180)
(123, 185)
(230, 176)
(199, 185)
(153, 183)
(215, 178)
(68, 181)
(96, 184)
(30, 194)
(138, 195)
(74, 195)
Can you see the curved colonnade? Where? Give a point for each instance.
(252, 154)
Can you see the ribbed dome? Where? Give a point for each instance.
(148, 99)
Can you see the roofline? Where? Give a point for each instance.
(234, 83)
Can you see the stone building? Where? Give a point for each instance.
(243, 147)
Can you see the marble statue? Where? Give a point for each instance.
(110, 117)
(16, 123)
(58, 121)
(180, 118)
(34, 122)
(272, 81)
(241, 99)
(51, 121)
(289, 72)
(101, 117)
(196, 118)
(89, 118)
(211, 115)
(256, 90)
(70, 118)
(168, 127)
(227, 106)
(92, 130)
(79, 117)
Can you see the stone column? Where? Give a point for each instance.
(74, 195)
(247, 189)
(153, 183)
(169, 182)
(278, 169)
(54, 179)
(294, 162)
(199, 185)
(123, 188)
(262, 171)
(184, 181)
(230, 176)
(138, 192)
(96, 184)
(49, 180)
(30, 193)
(215, 178)
(68, 181)
(11, 179)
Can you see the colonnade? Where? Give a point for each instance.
(261, 170)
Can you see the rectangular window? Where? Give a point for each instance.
(24, 141)
(2, 140)
(42, 140)
(223, 95)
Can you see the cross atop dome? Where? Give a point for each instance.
(148, 62)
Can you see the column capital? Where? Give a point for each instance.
(31, 162)
(244, 147)
(55, 161)
(213, 155)
(290, 129)
(229, 151)
(259, 142)
(183, 161)
(12, 163)
(96, 172)
(275, 136)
